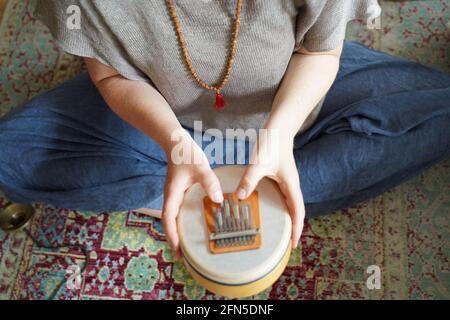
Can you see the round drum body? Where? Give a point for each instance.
(236, 274)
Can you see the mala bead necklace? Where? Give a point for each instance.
(220, 101)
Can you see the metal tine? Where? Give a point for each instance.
(227, 216)
(223, 242)
(234, 222)
(250, 223)
(226, 242)
(223, 220)
(229, 208)
(216, 223)
(242, 218)
(237, 222)
(220, 243)
(233, 215)
(245, 222)
(248, 220)
(242, 214)
(222, 226)
(227, 221)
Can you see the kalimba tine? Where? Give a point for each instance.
(239, 248)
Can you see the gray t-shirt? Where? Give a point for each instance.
(137, 38)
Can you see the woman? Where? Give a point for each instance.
(156, 67)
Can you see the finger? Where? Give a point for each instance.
(294, 200)
(172, 202)
(252, 176)
(211, 185)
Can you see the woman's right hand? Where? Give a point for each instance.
(181, 175)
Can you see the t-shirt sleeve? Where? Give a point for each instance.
(322, 24)
(79, 28)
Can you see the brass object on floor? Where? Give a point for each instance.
(15, 216)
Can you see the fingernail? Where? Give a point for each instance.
(241, 193)
(218, 197)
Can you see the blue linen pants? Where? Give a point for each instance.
(384, 121)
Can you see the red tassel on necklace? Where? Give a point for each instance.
(220, 102)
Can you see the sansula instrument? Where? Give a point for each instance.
(240, 248)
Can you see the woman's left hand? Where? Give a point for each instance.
(275, 160)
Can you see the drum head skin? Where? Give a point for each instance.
(236, 268)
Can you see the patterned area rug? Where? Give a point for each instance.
(405, 231)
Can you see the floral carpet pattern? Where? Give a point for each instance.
(124, 255)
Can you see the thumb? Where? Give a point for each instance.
(252, 175)
(211, 185)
